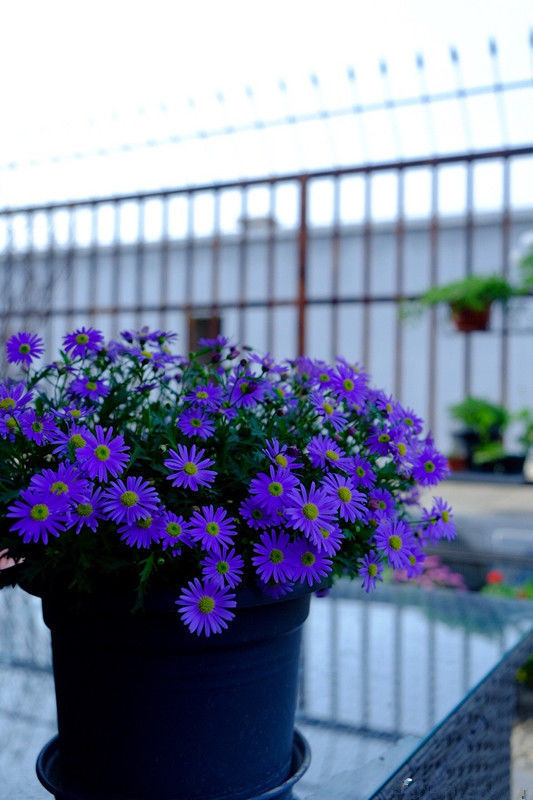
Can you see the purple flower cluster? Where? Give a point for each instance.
(236, 467)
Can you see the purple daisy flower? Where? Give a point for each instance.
(439, 521)
(281, 455)
(349, 502)
(349, 385)
(195, 422)
(382, 501)
(208, 395)
(324, 451)
(89, 387)
(329, 539)
(274, 588)
(65, 483)
(224, 567)
(327, 410)
(39, 429)
(204, 608)
(308, 563)
(407, 418)
(272, 490)
(379, 442)
(255, 515)
(126, 501)
(370, 570)
(430, 467)
(8, 427)
(75, 437)
(103, 454)
(73, 412)
(362, 473)
(191, 470)
(245, 391)
(272, 557)
(212, 528)
(142, 532)
(395, 538)
(83, 341)
(310, 511)
(37, 516)
(13, 397)
(218, 341)
(415, 562)
(23, 347)
(88, 512)
(175, 532)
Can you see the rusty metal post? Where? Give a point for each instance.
(302, 266)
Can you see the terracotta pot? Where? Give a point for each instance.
(467, 320)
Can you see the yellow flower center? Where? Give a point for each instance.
(129, 499)
(75, 412)
(310, 511)
(328, 408)
(383, 438)
(348, 384)
(276, 556)
(77, 440)
(445, 516)
(144, 523)
(173, 529)
(84, 509)
(195, 422)
(395, 542)
(360, 471)
(206, 604)
(275, 489)
(24, 349)
(344, 494)
(202, 395)
(223, 567)
(212, 528)
(40, 512)
(281, 460)
(82, 338)
(102, 452)
(37, 427)
(7, 402)
(90, 386)
(372, 570)
(332, 455)
(190, 468)
(429, 466)
(308, 559)
(59, 487)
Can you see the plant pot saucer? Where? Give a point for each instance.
(49, 774)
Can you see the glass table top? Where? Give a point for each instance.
(379, 673)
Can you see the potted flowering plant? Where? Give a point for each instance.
(174, 514)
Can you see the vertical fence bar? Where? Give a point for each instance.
(302, 267)
(469, 259)
(433, 280)
(367, 255)
(29, 298)
(94, 262)
(70, 275)
(164, 258)
(243, 253)
(335, 270)
(271, 266)
(466, 660)
(506, 268)
(139, 262)
(117, 260)
(189, 261)
(7, 288)
(49, 280)
(215, 261)
(432, 678)
(400, 272)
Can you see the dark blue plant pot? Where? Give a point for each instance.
(148, 711)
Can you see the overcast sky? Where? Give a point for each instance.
(78, 74)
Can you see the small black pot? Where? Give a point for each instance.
(147, 710)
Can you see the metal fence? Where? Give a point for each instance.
(316, 262)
